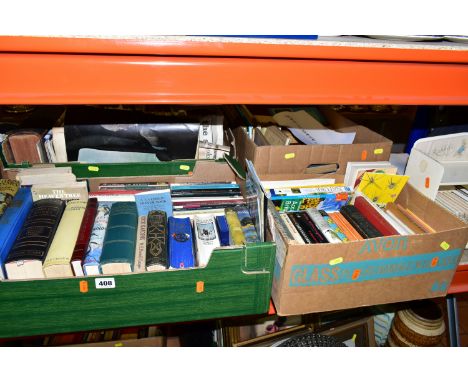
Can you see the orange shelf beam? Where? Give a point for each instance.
(35, 78)
(167, 46)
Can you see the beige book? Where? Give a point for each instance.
(57, 262)
(60, 148)
(45, 178)
(64, 191)
(140, 248)
(275, 136)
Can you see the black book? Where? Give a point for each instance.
(359, 222)
(156, 241)
(305, 233)
(316, 231)
(32, 243)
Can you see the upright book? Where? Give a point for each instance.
(11, 222)
(156, 241)
(8, 189)
(323, 226)
(94, 251)
(359, 222)
(139, 264)
(57, 262)
(181, 254)
(118, 249)
(378, 220)
(84, 235)
(32, 244)
(235, 228)
(207, 238)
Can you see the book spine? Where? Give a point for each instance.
(61, 248)
(140, 248)
(120, 238)
(374, 217)
(345, 226)
(359, 222)
(180, 243)
(295, 220)
(79, 192)
(247, 224)
(84, 234)
(235, 228)
(206, 238)
(223, 230)
(35, 237)
(327, 202)
(8, 189)
(304, 216)
(11, 223)
(156, 241)
(323, 226)
(94, 250)
(334, 227)
(295, 235)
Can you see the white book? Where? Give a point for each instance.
(354, 169)
(45, 178)
(322, 225)
(60, 148)
(206, 238)
(64, 191)
(269, 184)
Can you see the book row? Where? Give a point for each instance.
(119, 231)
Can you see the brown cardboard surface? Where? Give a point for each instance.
(141, 342)
(204, 171)
(384, 258)
(296, 158)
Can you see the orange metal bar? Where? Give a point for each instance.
(75, 79)
(168, 47)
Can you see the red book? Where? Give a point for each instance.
(373, 216)
(83, 236)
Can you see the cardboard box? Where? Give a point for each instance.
(236, 281)
(325, 277)
(368, 146)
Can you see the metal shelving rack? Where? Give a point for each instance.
(209, 70)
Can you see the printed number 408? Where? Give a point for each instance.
(105, 283)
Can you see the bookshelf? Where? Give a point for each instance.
(183, 70)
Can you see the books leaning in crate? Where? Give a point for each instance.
(119, 231)
(335, 213)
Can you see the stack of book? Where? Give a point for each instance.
(122, 228)
(455, 201)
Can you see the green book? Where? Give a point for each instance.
(118, 251)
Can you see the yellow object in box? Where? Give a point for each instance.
(382, 188)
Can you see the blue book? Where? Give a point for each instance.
(12, 221)
(156, 200)
(223, 230)
(180, 243)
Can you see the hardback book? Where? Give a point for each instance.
(206, 238)
(334, 227)
(8, 189)
(63, 191)
(33, 241)
(223, 230)
(359, 222)
(155, 200)
(49, 147)
(181, 253)
(111, 196)
(307, 239)
(94, 250)
(118, 249)
(323, 226)
(146, 186)
(369, 211)
(292, 228)
(310, 227)
(84, 236)
(58, 140)
(416, 219)
(275, 137)
(27, 146)
(322, 168)
(247, 224)
(156, 241)
(345, 226)
(139, 265)
(11, 222)
(57, 262)
(235, 228)
(211, 151)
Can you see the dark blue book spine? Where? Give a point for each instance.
(181, 254)
(12, 221)
(223, 230)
